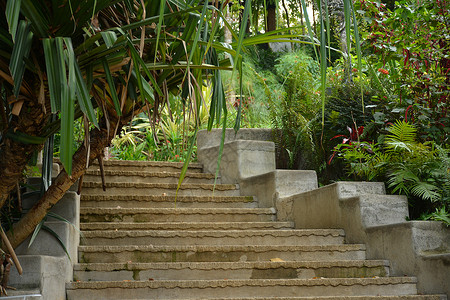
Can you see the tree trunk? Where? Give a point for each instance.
(301, 19)
(227, 33)
(271, 17)
(241, 18)
(286, 13)
(99, 140)
(15, 155)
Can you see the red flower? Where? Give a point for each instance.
(384, 71)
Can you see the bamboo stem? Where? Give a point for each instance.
(11, 250)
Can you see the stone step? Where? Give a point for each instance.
(146, 166)
(94, 175)
(389, 297)
(157, 201)
(231, 270)
(185, 225)
(92, 214)
(21, 294)
(217, 253)
(194, 289)
(161, 189)
(292, 237)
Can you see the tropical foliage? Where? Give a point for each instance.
(104, 63)
(408, 46)
(149, 72)
(418, 170)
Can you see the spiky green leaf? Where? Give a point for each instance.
(12, 16)
(112, 87)
(21, 50)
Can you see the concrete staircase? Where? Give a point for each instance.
(140, 242)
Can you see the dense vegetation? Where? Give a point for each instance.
(387, 122)
(141, 77)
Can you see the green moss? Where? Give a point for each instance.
(248, 199)
(136, 275)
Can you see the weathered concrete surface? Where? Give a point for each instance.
(364, 211)
(284, 183)
(45, 263)
(219, 253)
(160, 189)
(355, 206)
(290, 237)
(45, 244)
(231, 270)
(320, 207)
(159, 201)
(207, 139)
(194, 289)
(21, 294)
(93, 175)
(185, 225)
(176, 214)
(241, 159)
(45, 273)
(414, 248)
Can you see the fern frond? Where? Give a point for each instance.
(397, 145)
(401, 179)
(401, 131)
(439, 215)
(426, 191)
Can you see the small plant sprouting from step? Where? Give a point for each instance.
(136, 275)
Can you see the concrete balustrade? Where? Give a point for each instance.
(361, 210)
(367, 215)
(45, 264)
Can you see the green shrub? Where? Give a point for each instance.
(418, 170)
(292, 116)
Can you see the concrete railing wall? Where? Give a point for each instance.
(414, 248)
(362, 209)
(45, 264)
(368, 216)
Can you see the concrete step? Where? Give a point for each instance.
(194, 289)
(290, 237)
(157, 201)
(161, 189)
(231, 270)
(91, 214)
(146, 166)
(21, 294)
(94, 175)
(185, 225)
(217, 253)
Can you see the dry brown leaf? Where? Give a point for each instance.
(276, 259)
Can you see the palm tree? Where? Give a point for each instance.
(64, 60)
